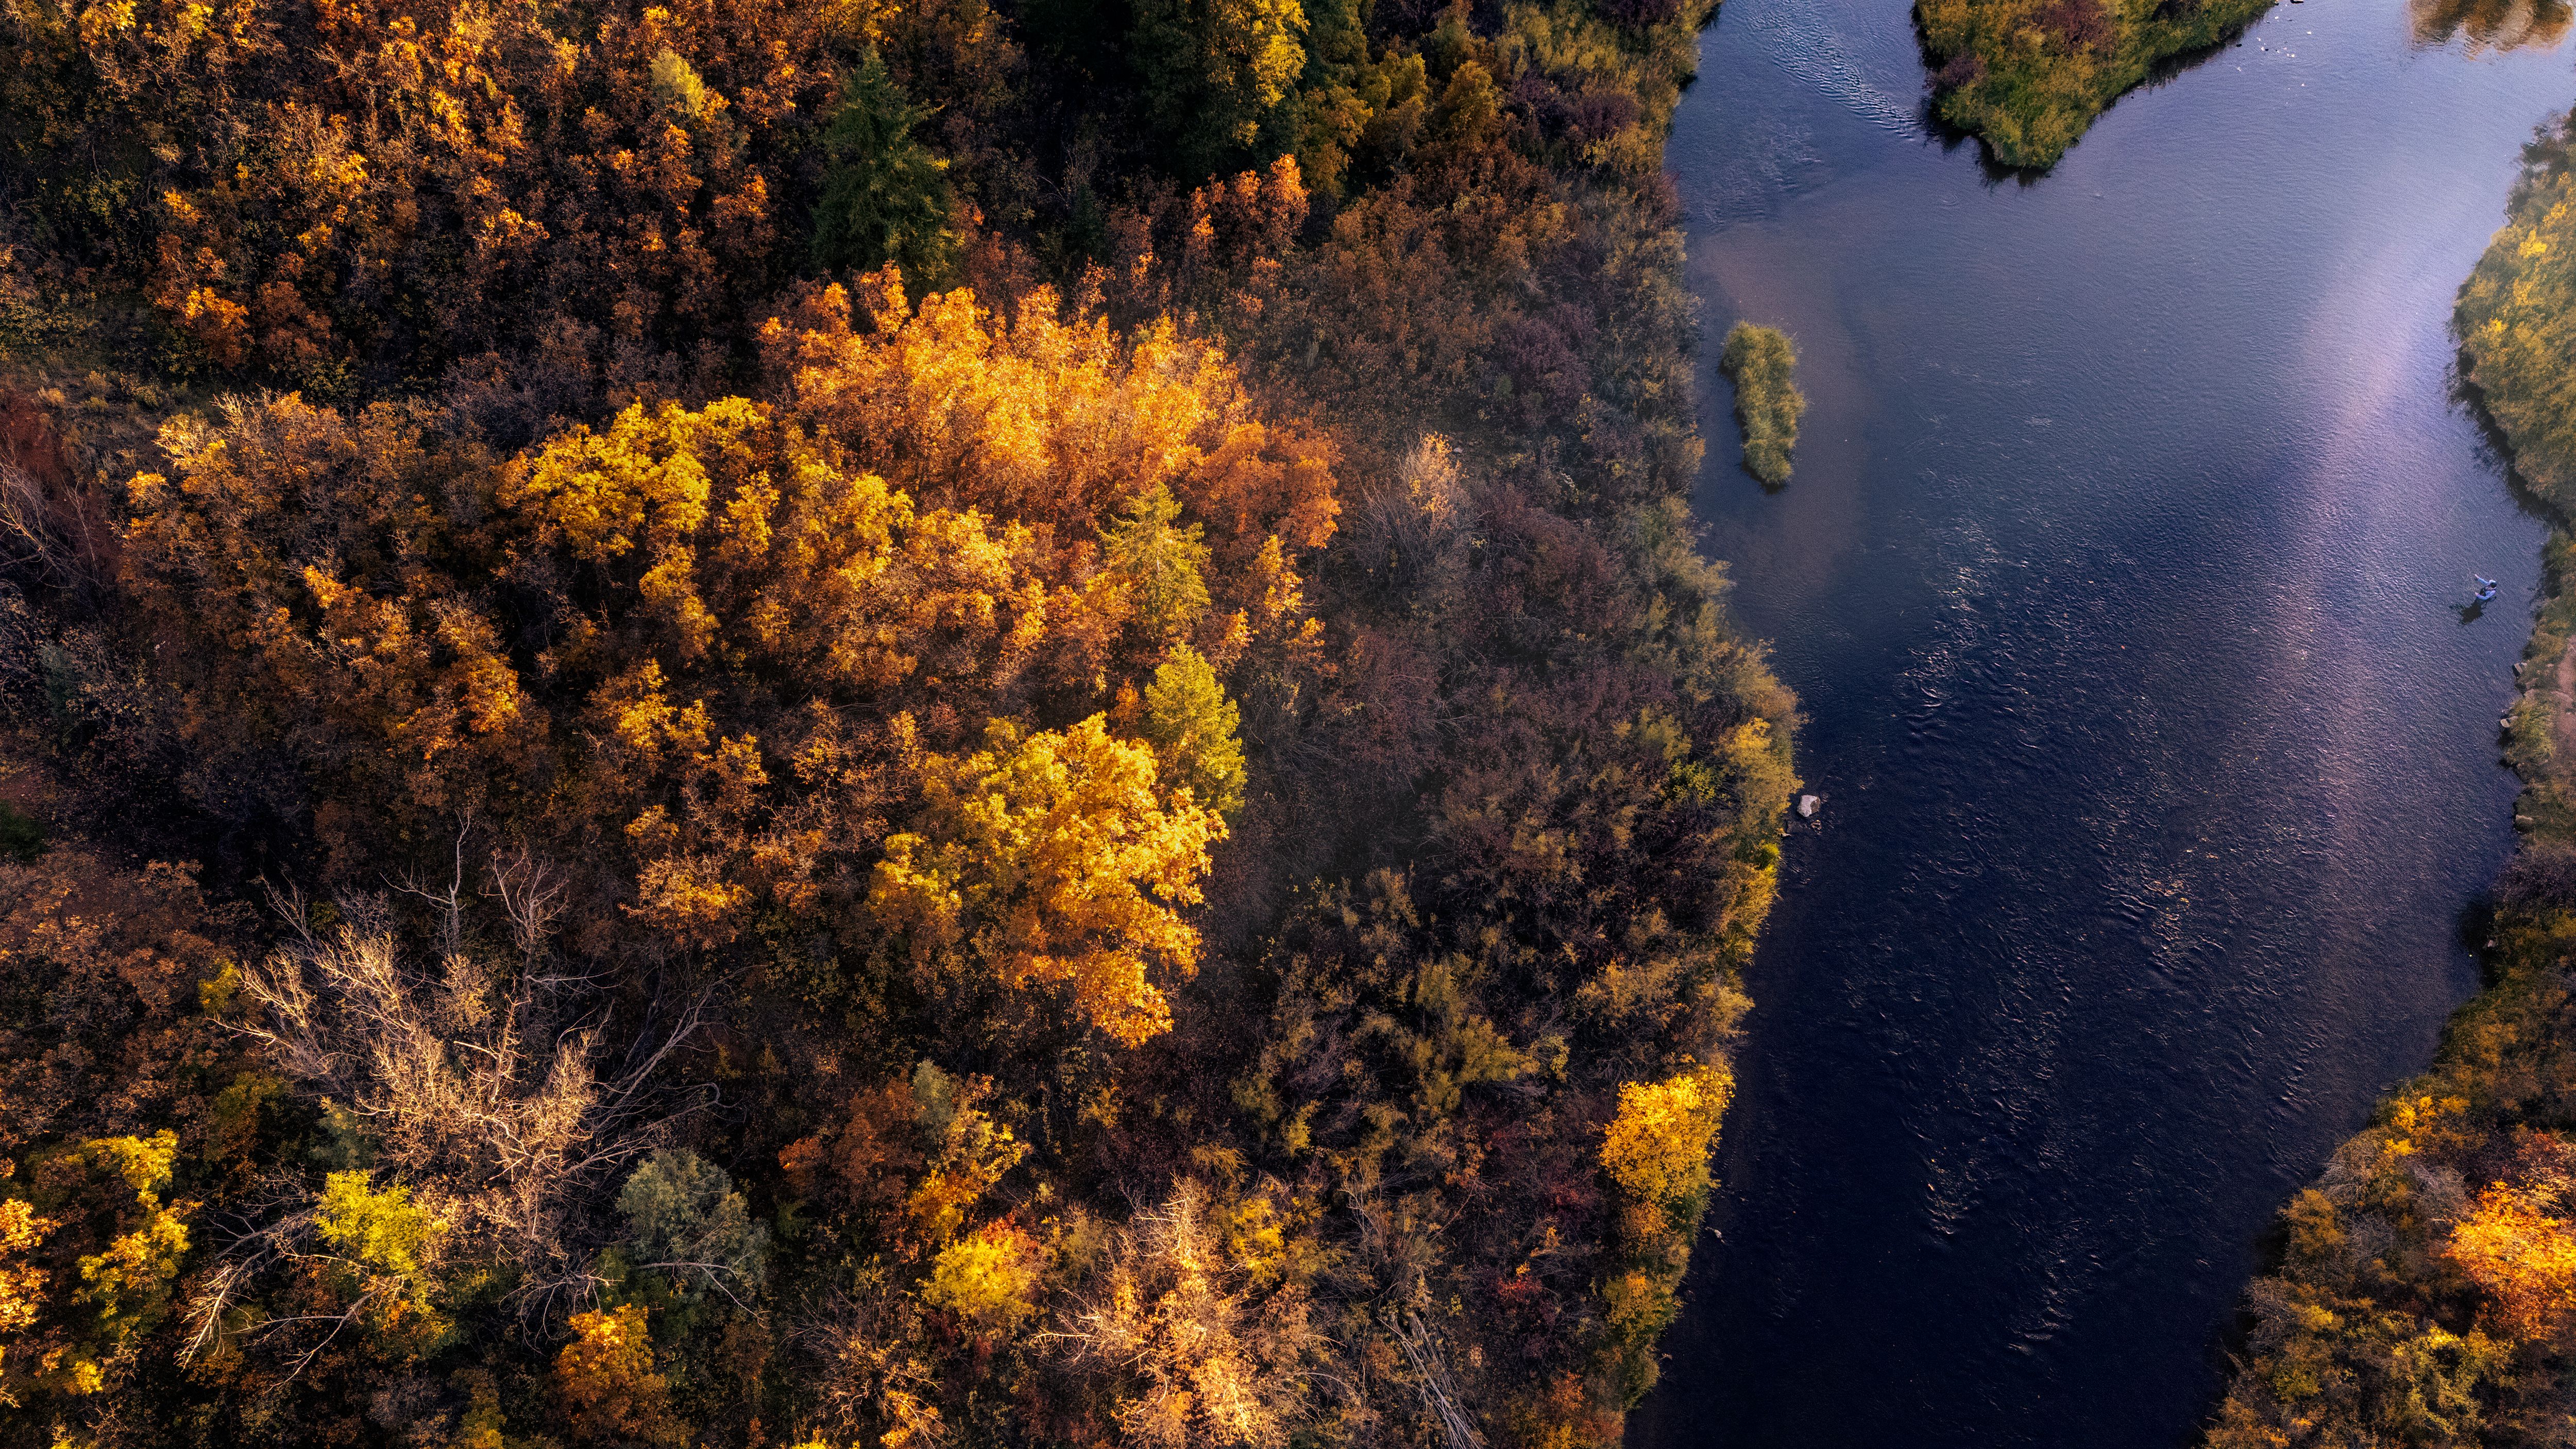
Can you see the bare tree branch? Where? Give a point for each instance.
(480, 1087)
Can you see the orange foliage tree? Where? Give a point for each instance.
(2524, 1256)
(605, 1383)
(367, 187)
(724, 653)
(1050, 859)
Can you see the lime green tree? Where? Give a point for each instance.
(1191, 725)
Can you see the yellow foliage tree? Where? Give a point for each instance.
(128, 1284)
(745, 537)
(705, 648)
(2525, 1259)
(1057, 421)
(1656, 1148)
(22, 1285)
(605, 1383)
(382, 1232)
(987, 1279)
(970, 1155)
(1051, 859)
(1656, 1152)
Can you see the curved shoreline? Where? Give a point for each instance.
(2414, 1286)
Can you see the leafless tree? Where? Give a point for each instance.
(1405, 520)
(481, 1085)
(60, 540)
(1431, 1378)
(866, 1341)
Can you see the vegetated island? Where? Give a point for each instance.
(1762, 364)
(757, 723)
(2426, 1292)
(2029, 76)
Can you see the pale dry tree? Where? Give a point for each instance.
(1209, 1359)
(874, 1379)
(1405, 519)
(60, 538)
(479, 1085)
(1429, 1362)
(1404, 1262)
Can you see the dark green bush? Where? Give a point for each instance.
(21, 838)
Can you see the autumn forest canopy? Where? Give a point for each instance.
(986, 723)
(853, 724)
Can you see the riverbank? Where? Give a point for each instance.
(2029, 76)
(2426, 1288)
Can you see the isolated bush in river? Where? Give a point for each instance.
(1759, 361)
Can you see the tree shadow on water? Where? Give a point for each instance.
(2496, 450)
(2486, 26)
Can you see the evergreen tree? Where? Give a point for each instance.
(1191, 725)
(1165, 565)
(885, 197)
(1219, 76)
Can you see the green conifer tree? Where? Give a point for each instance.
(885, 197)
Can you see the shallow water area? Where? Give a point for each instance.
(2125, 581)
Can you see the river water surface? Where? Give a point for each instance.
(2122, 579)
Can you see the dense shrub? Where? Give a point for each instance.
(1761, 362)
(2517, 316)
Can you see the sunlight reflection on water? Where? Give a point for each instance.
(2121, 579)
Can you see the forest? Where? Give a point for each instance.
(952, 724)
(2425, 1286)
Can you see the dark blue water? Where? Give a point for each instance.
(2122, 579)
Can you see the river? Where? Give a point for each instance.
(2123, 579)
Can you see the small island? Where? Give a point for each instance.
(1760, 361)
